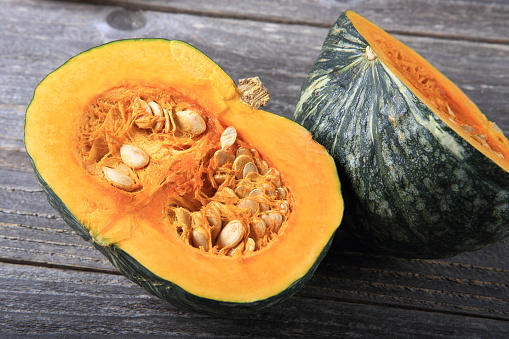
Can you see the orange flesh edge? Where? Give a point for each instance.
(444, 98)
(56, 111)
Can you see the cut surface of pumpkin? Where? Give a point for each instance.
(186, 188)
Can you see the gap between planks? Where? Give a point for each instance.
(303, 294)
(65, 267)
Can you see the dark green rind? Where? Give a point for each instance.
(164, 289)
(412, 186)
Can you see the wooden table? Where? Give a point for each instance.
(52, 282)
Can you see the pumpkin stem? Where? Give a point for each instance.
(370, 54)
(253, 93)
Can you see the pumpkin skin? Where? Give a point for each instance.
(418, 183)
(132, 229)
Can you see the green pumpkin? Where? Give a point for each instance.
(423, 171)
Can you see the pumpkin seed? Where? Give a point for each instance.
(182, 220)
(142, 104)
(243, 191)
(220, 178)
(200, 238)
(255, 192)
(117, 178)
(169, 116)
(226, 194)
(262, 199)
(283, 207)
(221, 158)
(213, 214)
(231, 234)
(273, 219)
(235, 250)
(190, 122)
(250, 245)
(258, 228)
(157, 112)
(133, 156)
(168, 125)
(239, 164)
(249, 168)
(243, 151)
(274, 172)
(144, 116)
(262, 166)
(264, 207)
(275, 180)
(252, 176)
(268, 189)
(255, 153)
(249, 204)
(123, 168)
(183, 216)
(228, 137)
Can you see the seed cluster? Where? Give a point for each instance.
(150, 116)
(222, 196)
(248, 209)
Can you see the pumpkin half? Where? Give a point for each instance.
(425, 172)
(150, 151)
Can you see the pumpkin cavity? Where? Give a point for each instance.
(222, 196)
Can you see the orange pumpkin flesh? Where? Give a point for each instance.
(137, 221)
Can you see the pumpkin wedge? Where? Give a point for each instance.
(425, 172)
(152, 153)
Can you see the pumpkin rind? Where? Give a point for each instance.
(415, 186)
(131, 234)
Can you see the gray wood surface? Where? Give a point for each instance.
(53, 282)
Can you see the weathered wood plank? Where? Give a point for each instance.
(468, 19)
(446, 285)
(48, 246)
(35, 300)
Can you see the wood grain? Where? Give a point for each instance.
(467, 19)
(53, 282)
(72, 302)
